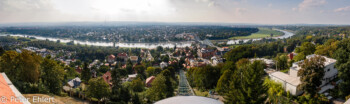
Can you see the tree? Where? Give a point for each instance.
(136, 99)
(9, 64)
(98, 89)
(275, 92)
(103, 69)
(305, 49)
(2, 51)
(140, 70)
(119, 92)
(204, 77)
(129, 69)
(328, 48)
(282, 62)
(29, 64)
(159, 49)
(162, 87)
(168, 82)
(85, 74)
(152, 71)
(52, 75)
(238, 53)
(165, 58)
(242, 62)
(158, 90)
(246, 83)
(342, 55)
(311, 74)
(137, 85)
(222, 84)
(229, 65)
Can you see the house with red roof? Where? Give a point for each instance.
(149, 80)
(107, 78)
(111, 58)
(123, 56)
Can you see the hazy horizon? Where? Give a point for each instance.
(177, 11)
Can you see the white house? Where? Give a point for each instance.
(216, 60)
(291, 81)
(163, 65)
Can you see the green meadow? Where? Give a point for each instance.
(262, 33)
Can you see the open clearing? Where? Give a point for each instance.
(262, 33)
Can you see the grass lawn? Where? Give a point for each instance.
(56, 99)
(262, 33)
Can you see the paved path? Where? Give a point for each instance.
(184, 87)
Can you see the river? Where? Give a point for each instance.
(286, 35)
(140, 45)
(106, 44)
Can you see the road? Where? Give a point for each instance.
(184, 88)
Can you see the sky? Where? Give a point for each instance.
(208, 11)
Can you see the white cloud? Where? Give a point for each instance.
(27, 10)
(307, 4)
(342, 9)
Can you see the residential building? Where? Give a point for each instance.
(291, 81)
(78, 69)
(134, 59)
(111, 59)
(149, 80)
(123, 56)
(205, 53)
(269, 63)
(215, 60)
(163, 65)
(130, 77)
(107, 77)
(74, 83)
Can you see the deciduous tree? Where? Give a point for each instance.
(52, 75)
(311, 74)
(98, 89)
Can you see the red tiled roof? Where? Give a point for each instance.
(6, 91)
(149, 80)
(122, 54)
(111, 56)
(107, 77)
(78, 69)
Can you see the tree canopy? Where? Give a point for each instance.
(311, 74)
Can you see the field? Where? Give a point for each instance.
(262, 33)
(56, 99)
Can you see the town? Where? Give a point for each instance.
(98, 74)
(174, 52)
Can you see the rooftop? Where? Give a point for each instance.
(8, 90)
(134, 58)
(188, 100)
(285, 77)
(327, 62)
